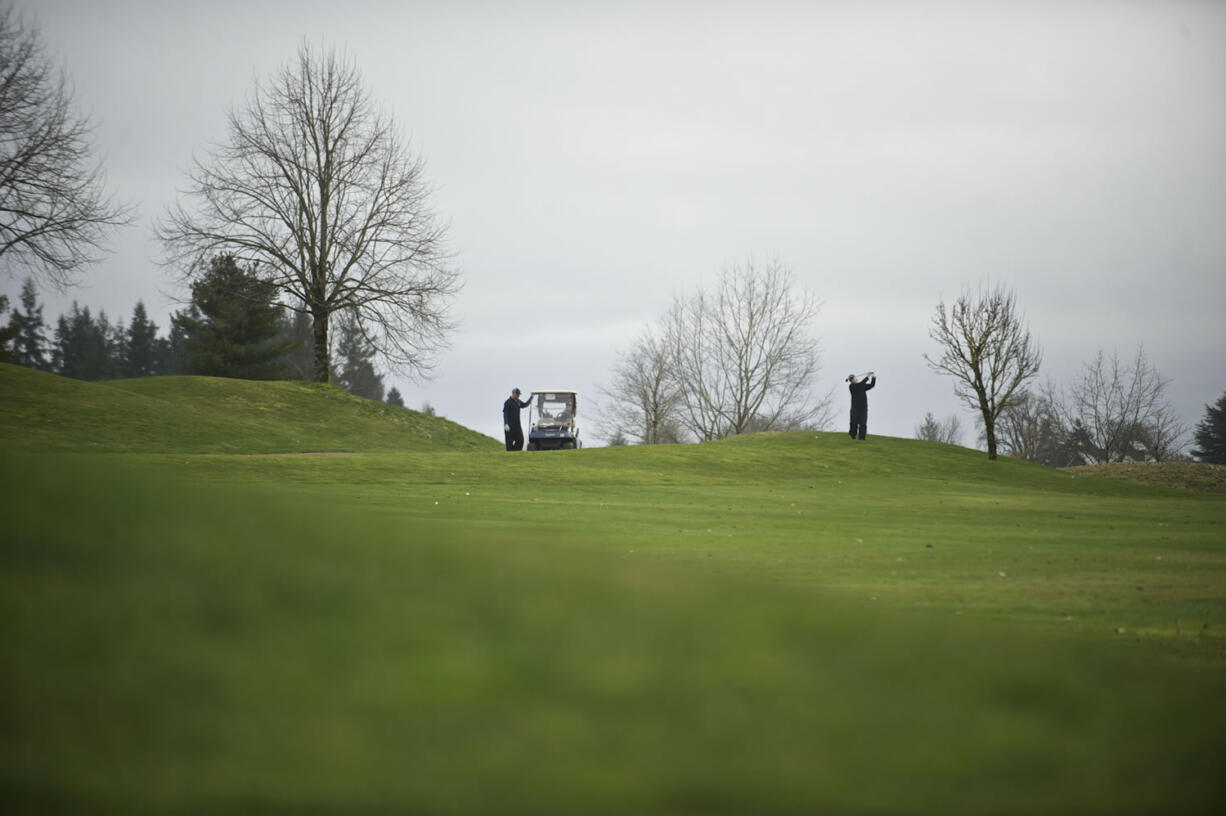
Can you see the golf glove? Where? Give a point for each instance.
(506, 428)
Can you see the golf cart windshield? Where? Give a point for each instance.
(555, 410)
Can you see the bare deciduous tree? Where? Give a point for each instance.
(644, 400)
(741, 356)
(987, 350)
(1119, 412)
(1032, 427)
(948, 430)
(317, 187)
(55, 214)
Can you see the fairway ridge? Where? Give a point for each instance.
(1186, 475)
(41, 411)
(778, 623)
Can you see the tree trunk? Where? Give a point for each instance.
(989, 424)
(323, 367)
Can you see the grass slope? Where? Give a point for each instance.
(41, 411)
(786, 623)
(1188, 475)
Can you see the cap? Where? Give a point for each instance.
(515, 391)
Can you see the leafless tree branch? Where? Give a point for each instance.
(641, 405)
(1119, 412)
(55, 214)
(987, 351)
(741, 356)
(948, 430)
(316, 186)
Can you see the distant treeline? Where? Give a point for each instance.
(233, 326)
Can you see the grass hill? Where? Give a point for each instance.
(40, 411)
(1186, 475)
(777, 624)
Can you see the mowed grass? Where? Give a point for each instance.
(42, 412)
(788, 623)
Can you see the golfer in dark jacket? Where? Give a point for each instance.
(859, 403)
(510, 421)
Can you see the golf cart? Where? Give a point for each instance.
(551, 420)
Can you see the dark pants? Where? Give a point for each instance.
(859, 422)
(515, 438)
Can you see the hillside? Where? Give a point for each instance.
(1185, 475)
(819, 464)
(778, 623)
(43, 412)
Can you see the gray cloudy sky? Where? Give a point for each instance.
(596, 158)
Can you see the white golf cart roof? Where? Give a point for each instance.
(542, 397)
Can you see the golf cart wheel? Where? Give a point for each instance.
(568, 445)
(533, 446)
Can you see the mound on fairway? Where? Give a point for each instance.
(1185, 475)
(44, 412)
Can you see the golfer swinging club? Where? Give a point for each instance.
(510, 421)
(859, 403)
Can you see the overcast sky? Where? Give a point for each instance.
(594, 159)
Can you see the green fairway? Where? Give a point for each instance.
(782, 623)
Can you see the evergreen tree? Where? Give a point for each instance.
(394, 398)
(117, 346)
(29, 342)
(84, 347)
(233, 327)
(1211, 434)
(356, 354)
(929, 430)
(173, 349)
(299, 334)
(7, 333)
(142, 357)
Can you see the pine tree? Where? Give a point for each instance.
(142, 357)
(356, 355)
(1211, 434)
(394, 398)
(117, 346)
(30, 342)
(299, 334)
(7, 333)
(929, 430)
(84, 347)
(948, 430)
(174, 348)
(233, 327)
